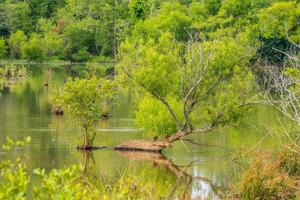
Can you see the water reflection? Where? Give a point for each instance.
(187, 186)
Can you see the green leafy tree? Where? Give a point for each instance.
(139, 9)
(277, 25)
(172, 17)
(33, 49)
(83, 99)
(14, 16)
(280, 20)
(53, 45)
(187, 85)
(16, 41)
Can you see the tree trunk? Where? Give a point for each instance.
(159, 145)
(86, 144)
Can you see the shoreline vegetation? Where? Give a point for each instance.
(53, 62)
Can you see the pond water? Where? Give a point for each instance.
(25, 111)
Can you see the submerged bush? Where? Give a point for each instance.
(13, 71)
(10, 75)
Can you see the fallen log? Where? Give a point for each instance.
(143, 145)
(89, 148)
(158, 145)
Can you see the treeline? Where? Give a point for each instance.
(80, 30)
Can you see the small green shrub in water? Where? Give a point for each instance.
(84, 100)
(13, 71)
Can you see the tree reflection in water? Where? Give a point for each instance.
(186, 187)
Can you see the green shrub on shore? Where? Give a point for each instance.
(16, 41)
(271, 176)
(33, 49)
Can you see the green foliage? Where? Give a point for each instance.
(279, 20)
(167, 68)
(14, 178)
(43, 8)
(172, 17)
(154, 117)
(73, 183)
(16, 41)
(139, 9)
(52, 44)
(3, 48)
(14, 16)
(10, 143)
(75, 30)
(86, 100)
(81, 56)
(63, 184)
(33, 49)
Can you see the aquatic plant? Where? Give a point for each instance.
(13, 173)
(84, 100)
(10, 75)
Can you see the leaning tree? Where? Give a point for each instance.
(186, 87)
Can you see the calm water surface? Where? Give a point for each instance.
(25, 111)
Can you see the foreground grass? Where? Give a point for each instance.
(272, 175)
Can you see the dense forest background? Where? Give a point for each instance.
(85, 30)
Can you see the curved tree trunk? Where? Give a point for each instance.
(159, 145)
